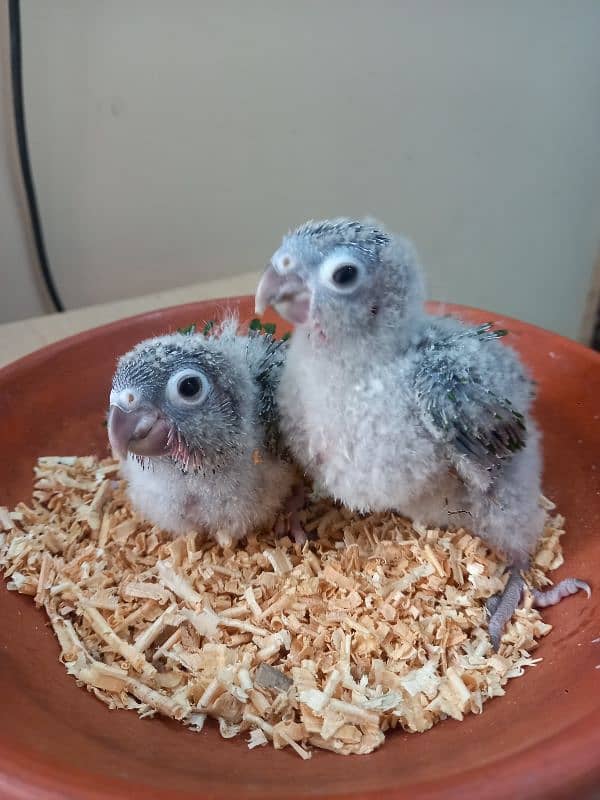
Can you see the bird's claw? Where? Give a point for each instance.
(502, 606)
(555, 594)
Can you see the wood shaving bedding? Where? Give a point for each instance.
(375, 625)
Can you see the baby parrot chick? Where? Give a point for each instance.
(387, 407)
(193, 420)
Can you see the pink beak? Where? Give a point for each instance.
(287, 293)
(136, 428)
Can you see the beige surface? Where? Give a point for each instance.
(19, 338)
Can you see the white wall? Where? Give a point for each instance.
(181, 139)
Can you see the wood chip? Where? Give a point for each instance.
(378, 624)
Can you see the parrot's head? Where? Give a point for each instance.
(177, 397)
(342, 275)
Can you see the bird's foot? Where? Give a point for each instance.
(552, 596)
(288, 523)
(281, 527)
(501, 607)
(224, 538)
(297, 532)
(297, 499)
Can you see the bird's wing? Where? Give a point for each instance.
(459, 408)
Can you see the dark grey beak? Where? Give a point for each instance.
(134, 427)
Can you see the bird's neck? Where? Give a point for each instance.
(385, 337)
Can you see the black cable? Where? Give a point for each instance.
(16, 70)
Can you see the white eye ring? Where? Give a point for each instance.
(342, 273)
(188, 387)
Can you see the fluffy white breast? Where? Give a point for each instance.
(350, 426)
(227, 505)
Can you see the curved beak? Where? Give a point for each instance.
(287, 293)
(141, 431)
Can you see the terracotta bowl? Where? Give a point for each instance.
(56, 741)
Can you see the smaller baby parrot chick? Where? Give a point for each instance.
(193, 420)
(390, 408)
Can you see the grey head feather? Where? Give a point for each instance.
(211, 434)
(365, 236)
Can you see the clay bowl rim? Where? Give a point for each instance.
(577, 745)
(433, 306)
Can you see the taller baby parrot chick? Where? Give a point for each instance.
(390, 408)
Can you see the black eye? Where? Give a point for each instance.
(345, 275)
(189, 387)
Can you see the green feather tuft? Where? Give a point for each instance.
(188, 330)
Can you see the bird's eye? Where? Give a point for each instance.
(188, 387)
(342, 272)
(345, 276)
